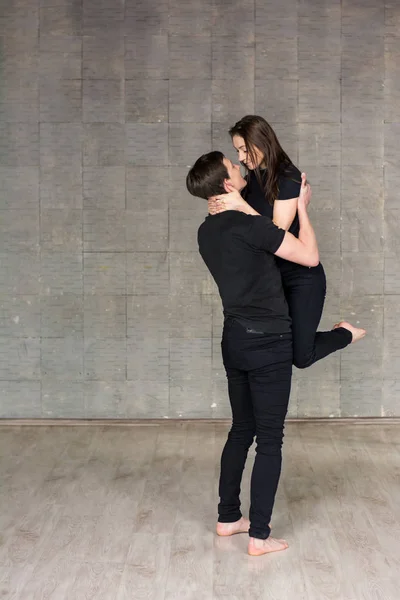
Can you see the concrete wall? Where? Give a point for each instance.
(106, 308)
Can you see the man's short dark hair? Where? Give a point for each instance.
(206, 177)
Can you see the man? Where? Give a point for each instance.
(239, 250)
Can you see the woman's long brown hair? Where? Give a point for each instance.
(256, 132)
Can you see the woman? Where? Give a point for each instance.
(273, 187)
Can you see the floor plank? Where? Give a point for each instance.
(120, 512)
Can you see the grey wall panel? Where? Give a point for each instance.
(106, 308)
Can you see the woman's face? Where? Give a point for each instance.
(240, 146)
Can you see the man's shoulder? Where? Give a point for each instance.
(235, 224)
(224, 219)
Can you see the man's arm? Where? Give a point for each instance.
(284, 210)
(303, 250)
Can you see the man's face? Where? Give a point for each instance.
(235, 176)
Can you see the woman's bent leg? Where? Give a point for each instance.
(305, 291)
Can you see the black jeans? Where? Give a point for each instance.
(259, 370)
(305, 291)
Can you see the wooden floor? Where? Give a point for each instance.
(124, 513)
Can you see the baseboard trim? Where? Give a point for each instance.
(159, 422)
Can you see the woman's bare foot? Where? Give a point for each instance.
(259, 547)
(241, 526)
(356, 332)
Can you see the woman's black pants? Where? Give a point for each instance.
(305, 290)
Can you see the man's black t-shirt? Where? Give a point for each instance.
(238, 251)
(289, 184)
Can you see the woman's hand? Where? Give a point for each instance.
(230, 201)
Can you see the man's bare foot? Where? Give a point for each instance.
(259, 547)
(241, 526)
(356, 332)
